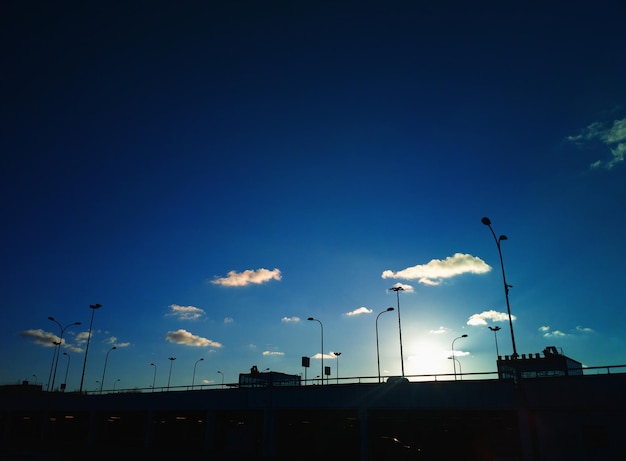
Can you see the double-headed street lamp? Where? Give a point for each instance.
(193, 379)
(58, 349)
(105, 367)
(93, 308)
(453, 357)
(487, 222)
(398, 289)
(322, 326)
(389, 309)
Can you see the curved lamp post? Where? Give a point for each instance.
(322, 326)
(398, 289)
(219, 372)
(106, 359)
(67, 369)
(389, 309)
(154, 375)
(495, 335)
(55, 344)
(63, 328)
(193, 379)
(337, 354)
(453, 357)
(171, 359)
(93, 308)
(487, 222)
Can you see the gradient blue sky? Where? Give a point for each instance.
(215, 173)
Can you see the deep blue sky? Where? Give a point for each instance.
(149, 150)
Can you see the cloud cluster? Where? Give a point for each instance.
(41, 337)
(273, 353)
(439, 331)
(494, 316)
(188, 339)
(435, 271)
(290, 319)
(614, 137)
(112, 340)
(549, 333)
(185, 312)
(247, 277)
(359, 311)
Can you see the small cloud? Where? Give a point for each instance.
(458, 354)
(439, 331)
(113, 342)
(435, 271)
(319, 356)
(185, 312)
(273, 353)
(584, 329)
(252, 346)
(494, 316)
(247, 277)
(229, 320)
(290, 319)
(543, 329)
(187, 339)
(613, 137)
(359, 311)
(41, 337)
(554, 334)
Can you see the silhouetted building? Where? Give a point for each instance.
(553, 363)
(267, 379)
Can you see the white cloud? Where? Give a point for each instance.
(247, 277)
(326, 356)
(543, 329)
(584, 329)
(553, 334)
(273, 353)
(458, 353)
(359, 311)
(290, 319)
(494, 316)
(614, 137)
(41, 337)
(438, 331)
(186, 338)
(229, 320)
(112, 340)
(435, 271)
(186, 312)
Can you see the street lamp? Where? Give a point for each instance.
(115, 383)
(389, 309)
(54, 356)
(171, 359)
(106, 359)
(222, 377)
(487, 222)
(67, 369)
(454, 362)
(193, 379)
(322, 326)
(154, 375)
(398, 289)
(93, 308)
(63, 328)
(495, 335)
(337, 354)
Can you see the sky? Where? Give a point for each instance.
(215, 173)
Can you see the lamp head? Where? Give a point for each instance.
(95, 306)
(502, 237)
(76, 323)
(171, 358)
(486, 221)
(113, 348)
(463, 336)
(310, 318)
(201, 359)
(51, 318)
(389, 309)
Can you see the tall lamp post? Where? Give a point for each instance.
(154, 375)
(389, 309)
(337, 354)
(55, 344)
(398, 289)
(171, 359)
(193, 379)
(67, 369)
(322, 326)
(487, 222)
(104, 370)
(453, 357)
(93, 308)
(495, 335)
(63, 328)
